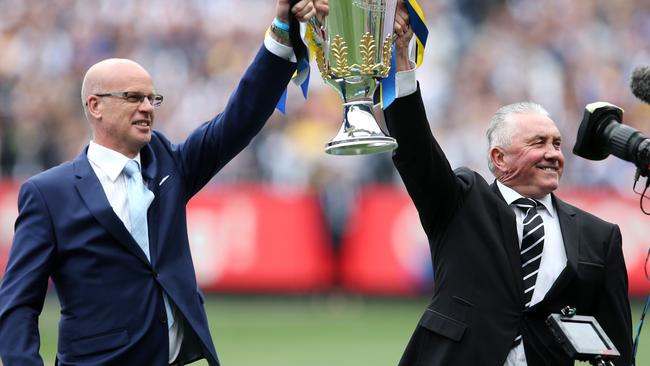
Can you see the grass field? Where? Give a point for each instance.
(324, 330)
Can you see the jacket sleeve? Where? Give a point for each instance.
(24, 284)
(613, 307)
(423, 166)
(219, 140)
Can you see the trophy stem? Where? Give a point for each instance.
(359, 133)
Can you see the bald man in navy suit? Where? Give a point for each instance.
(123, 274)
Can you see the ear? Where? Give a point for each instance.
(498, 158)
(92, 105)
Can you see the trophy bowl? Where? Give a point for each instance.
(353, 47)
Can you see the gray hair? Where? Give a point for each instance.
(499, 131)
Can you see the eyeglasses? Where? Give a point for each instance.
(134, 97)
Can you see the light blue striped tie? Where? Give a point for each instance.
(139, 198)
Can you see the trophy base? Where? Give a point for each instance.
(361, 146)
(359, 133)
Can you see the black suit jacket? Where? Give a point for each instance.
(477, 307)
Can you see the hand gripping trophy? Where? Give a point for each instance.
(353, 47)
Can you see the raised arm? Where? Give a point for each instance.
(218, 141)
(423, 166)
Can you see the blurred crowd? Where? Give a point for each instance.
(481, 54)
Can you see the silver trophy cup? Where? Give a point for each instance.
(353, 51)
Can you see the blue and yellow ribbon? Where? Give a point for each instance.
(419, 25)
(387, 92)
(303, 70)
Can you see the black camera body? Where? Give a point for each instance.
(601, 133)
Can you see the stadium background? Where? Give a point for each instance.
(308, 258)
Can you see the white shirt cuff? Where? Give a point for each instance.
(405, 82)
(279, 49)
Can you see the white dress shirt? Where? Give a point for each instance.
(279, 49)
(108, 166)
(405, 82)
(553, 256)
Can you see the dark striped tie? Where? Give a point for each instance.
(532, 244)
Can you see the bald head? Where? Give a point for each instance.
(109, 74)
(118, 122)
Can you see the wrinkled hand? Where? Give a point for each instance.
(303, 10)
(322, 10)
(404, 34)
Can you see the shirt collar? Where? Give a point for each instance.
(510, 195)
(109, 161)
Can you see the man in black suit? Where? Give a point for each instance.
(503, 264)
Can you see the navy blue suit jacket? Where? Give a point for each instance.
(112, 310)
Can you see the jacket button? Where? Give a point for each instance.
(155, 274)
(163, 319)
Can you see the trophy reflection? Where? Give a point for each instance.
(353, 52)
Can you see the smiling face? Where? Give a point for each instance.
(532, 163)
(117, 123)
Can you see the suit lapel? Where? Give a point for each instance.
(92, 193)
(508, 225)
(571, 237)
